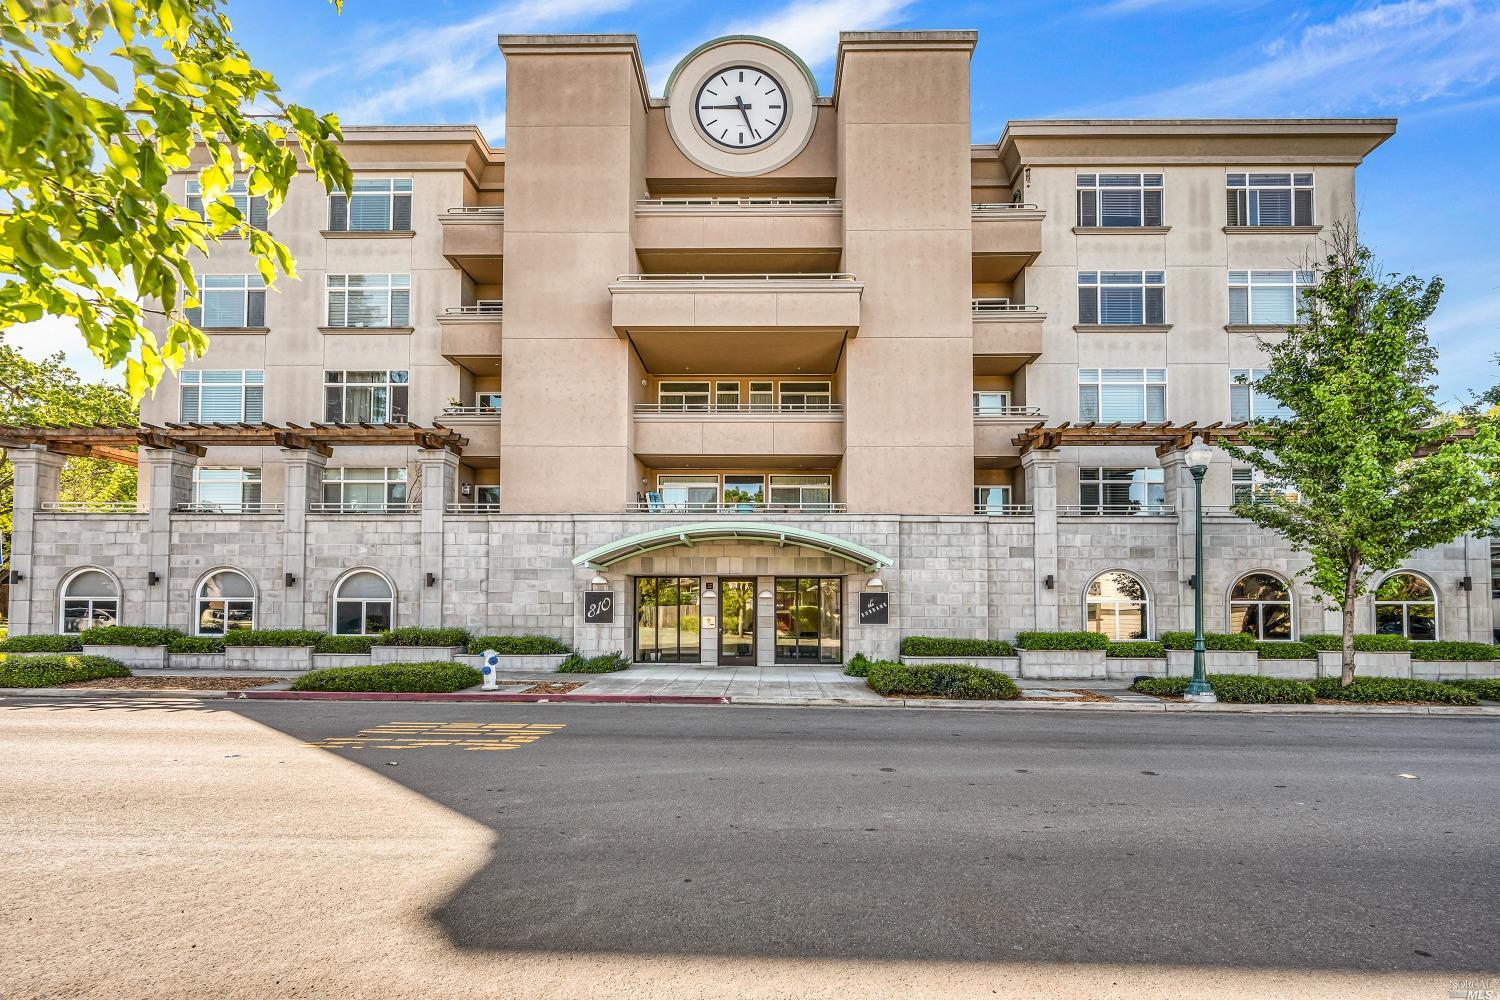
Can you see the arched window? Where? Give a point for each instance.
(226, 600)
(362, 604)
(1118, 606)
(1261, 604)
(89, 598)
(1406, 605)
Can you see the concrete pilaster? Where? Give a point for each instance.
(1178, 482)
(437, 471)
(304, 486)
(168, 477)
(1040, 470)
(36, 475)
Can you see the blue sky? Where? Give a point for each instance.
(1427, 198)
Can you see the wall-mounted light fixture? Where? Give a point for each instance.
(16, 576)
(1466, 584)
(765, 595)
(431, 580)
(1193, 582)
(291, 581)
(152, 579)
(876, 583)
(1047, 581)
(598, 582)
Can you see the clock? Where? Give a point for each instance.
(741, 107)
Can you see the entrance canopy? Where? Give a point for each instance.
(607, 555)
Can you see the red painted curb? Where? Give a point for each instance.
(606, 699)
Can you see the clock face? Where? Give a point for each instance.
(741, 107)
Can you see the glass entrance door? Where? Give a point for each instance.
(737, 622)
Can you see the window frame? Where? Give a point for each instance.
(395, 290)
(824, 585)
(363, 602)
(1145, 605)
(984, 505)
(1093, 302)
(1244, 394)
(397, 394)
(392, 477)
(1240, 211)
(254, 209)
(341, 205)
(252, 392)
(1153, 382)
(90, 601)
(1406, 606)
(821, 398)
(1139, 477)
(676, 399)
(250, 290)
(249, 482)
(825, 483)
(1090, 198)
(680, 654)
(1248, 281)
(992, 409)
(1260, 606)
(199, 600)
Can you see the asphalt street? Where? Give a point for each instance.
(1285, 850)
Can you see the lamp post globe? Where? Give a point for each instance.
(1198, 457)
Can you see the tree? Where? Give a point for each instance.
(86, 227)
(1368, 467)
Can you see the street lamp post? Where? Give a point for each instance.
(1198, 689)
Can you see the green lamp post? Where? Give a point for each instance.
(1198, 689)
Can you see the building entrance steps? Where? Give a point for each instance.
(791, 681)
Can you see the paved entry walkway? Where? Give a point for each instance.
(795, 682)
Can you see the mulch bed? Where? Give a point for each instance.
(554, 687)
(1083, 695)
(159, 683)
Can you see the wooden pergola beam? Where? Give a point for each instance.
(115, 443)
(1164, 437)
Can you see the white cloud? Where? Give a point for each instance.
(52, 334)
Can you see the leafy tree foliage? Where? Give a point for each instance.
(100, 101)
(1378, 470)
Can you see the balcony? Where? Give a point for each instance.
(474, 241)
(1117, 510)
(757, 509)
(1003, 509)
(995, 429)
(748, 435)
(681, 322)
(1007, 336)
(480, 426)
(1007, 237)
(728, 234)
(471, 336)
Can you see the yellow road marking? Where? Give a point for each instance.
(400, 735)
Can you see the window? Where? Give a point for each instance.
(369, 300)
(809, 619)
(252, 209)
(229, 489)
(374, 206)
(745, 492)
(230, 302)
(374, 397)
(1251, 484)
(727, 394)
(1270, 199)
(991, 499)
(364, 489)
(1119, 607)
(488, 401)
(1128, 395)
(1122, 298)
(1261, 604)
(1121, 491)
(1119, 200)
(487, 496)
(682, 395)
(1405, 605)
(1247, 402)
(222, 397)
(362, 605)
(225, 601)
(762, 395)
(991, 404)
(688, 492)
(89, 598)
(805, 395)
(667, 628)
(1268, 298)
(802, 492)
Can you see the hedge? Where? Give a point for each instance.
(1470, 651)
(1487, 688)
(943, 680)
(272, 637)
(605, 663)
(1332, 642)
(1281, 650)
(859, 666)
(345, 643)
(42, 644)
(195, 644)
(1136, 649)
(1062, 640)
(931, 645)
(1233, 689)
(1219, 642)
(130, 635)
(519, 645)
(424, 637)
(424, 677)
(55, 671)
(1366, 689)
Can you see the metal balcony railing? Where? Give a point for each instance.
(767, 409)
(1007, 411)
(491, 210)
(811, 279)
(754, 202)
(484, 307)
(1002, 206)
(91, 507)
(1004, 509)
(1118, 510)
(986, 306)
(669, 507)
(471, 411)
(229, 508)
(474, 507)
(364, 508)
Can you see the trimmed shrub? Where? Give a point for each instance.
(1233, 689)
(941, 680)
(928, 645)
(42, 644)
(195, 644)
(130, 635)
(345, 643)
(1487, 688)
(424, 677)
(1470, 651)
(1062, 640)
(54, 671)
(858, 666)
(424, 637)
(1281, 650)
(1218, 642)
(272, 637)
(604, 663)
(1137, 649)
(519, 645)
(1368, 689)
(1332, 642)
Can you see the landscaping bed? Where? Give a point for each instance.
(954, 681)
(605, 663)
(44, 671)
(1391, 691)
(160, 683)
(1233, 689)
(427, 678)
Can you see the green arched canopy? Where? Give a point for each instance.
(621, 549)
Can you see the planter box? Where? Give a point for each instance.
(414, 654)
(1454, 670)
(1008, 665)
(195, 661)
(1215, 661)
(1331, 664)
(134, 657)
(283, 658)
(541, 663)
(1063, 664)
(322, 661)
(1292, 670)
(1130, 667)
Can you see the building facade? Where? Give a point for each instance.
(741, 373)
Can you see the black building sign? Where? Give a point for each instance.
(598, 607)
(874, 609)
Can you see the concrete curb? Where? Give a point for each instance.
(1038, 704)
(597, 699)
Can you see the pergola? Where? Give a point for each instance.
(1165, 437)
(114, 443)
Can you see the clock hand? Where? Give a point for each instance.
(721, 107)
(745, 110)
